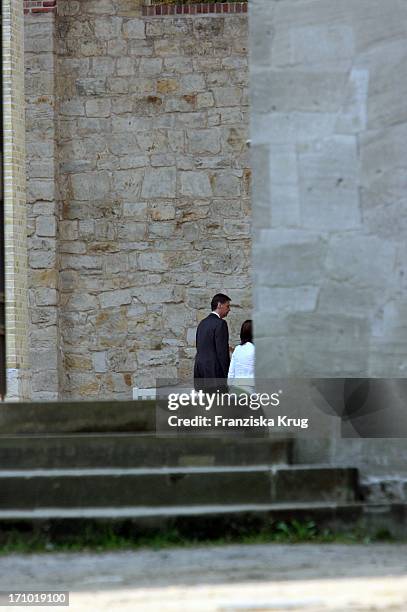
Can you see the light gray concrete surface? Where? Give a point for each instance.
(329, 253)
(326, 127)
(229, 578)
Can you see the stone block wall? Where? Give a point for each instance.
(152, 211)
(328, 122)
(328, 87)
(42, 204)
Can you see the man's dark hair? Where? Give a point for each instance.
(219, 298)
(246, 332)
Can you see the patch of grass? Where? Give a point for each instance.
(111, 537)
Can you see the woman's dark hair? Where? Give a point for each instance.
(246, 332)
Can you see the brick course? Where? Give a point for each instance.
(39, 6)
(14, 201)
(204, 8)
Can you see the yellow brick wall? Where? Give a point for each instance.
(14, 199)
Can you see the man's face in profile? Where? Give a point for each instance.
(223, 309)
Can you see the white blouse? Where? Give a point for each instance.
(242, 362)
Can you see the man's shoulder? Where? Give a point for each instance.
(217, 320)
(211, 318)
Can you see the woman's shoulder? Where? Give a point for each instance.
(247, 347)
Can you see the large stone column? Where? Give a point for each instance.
(14, 200)
(329, 125)
(41, 106)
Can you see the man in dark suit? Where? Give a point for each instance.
(212, 344)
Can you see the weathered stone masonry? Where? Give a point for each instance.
(42, 204)
(329, 125)
(139, 191)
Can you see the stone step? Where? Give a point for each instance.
(136, 450)
(261, 484)
(77, 417)
(207, 521)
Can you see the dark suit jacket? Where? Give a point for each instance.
(212, 346)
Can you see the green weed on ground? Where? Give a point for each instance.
(108, 538)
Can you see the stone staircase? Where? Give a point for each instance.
(75, 463)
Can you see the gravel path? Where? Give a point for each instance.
(222, 578)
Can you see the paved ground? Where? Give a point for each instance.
(223, 579)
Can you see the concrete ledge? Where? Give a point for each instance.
(172, 486)
(77, 417)
(210, 522)
(19, 452)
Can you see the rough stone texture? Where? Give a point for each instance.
(42, 204)
(153, 176)
(329, 127)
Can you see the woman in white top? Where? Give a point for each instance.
(242, 362)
